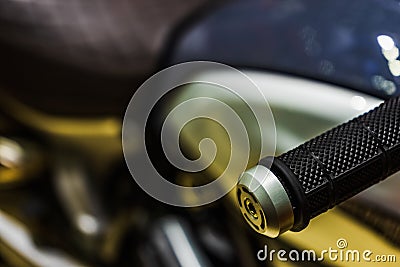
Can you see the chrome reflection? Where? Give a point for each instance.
(391, 52)
(358, 103)
(176, 245)
(19, 245)
(382, 84)
(386, 42)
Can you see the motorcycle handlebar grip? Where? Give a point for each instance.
(321, 173)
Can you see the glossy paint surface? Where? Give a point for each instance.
(350, 43)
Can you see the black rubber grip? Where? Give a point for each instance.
(341, 162)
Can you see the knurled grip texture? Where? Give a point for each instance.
(343, 161)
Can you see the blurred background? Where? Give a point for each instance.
(69, 70)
